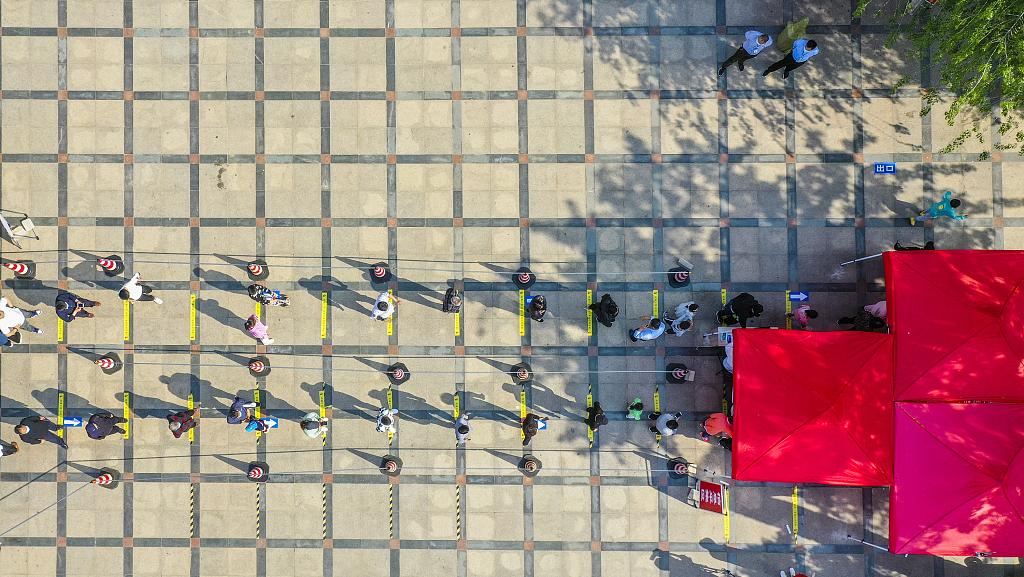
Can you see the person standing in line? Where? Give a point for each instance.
(605, 310)
(538, 308)
(803, 50)
(740, 309)
(12, 319)
(878, 310)
(258, 330)
(664, 423)
(103, 424)
(648, 332)
(462, 429)
(71, 306)
(803, 316)
(531, 424)
(753, 43)
(945, 207)
(35, 430)
(635, 409)
(386, 420)
(179, 423)
(239, 411)
(683, 320)
(384, 306)
(596, 417)
(135, 291)
(254, 425)
(312, 425)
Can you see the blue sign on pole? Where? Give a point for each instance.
(885, 168)
(799, 296)
(72, 422)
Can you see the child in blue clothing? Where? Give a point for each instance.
(945, 207)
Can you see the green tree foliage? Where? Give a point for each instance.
(977, 47)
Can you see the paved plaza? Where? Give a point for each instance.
(455, 140)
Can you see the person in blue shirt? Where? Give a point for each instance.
(945, 207)
(652, 330)
(803, 50)
(754, 42)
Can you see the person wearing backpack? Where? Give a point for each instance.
(605, 310)
(538, 308)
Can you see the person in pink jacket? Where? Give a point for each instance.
(803, 316)
(258, 330)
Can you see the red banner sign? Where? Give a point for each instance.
(710, 495)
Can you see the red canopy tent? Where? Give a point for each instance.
(959, 479)
(800, 393)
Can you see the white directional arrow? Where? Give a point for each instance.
(271, 422)
(72, 422)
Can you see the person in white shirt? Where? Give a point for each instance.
(135, 291)
(683, 320)
(664, 423)
(462, 429)
(384, 306)
(386, 420)
(753, 43)
(13, 318)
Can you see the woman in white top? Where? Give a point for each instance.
(13, 318)
(135, 291)
(384, 306)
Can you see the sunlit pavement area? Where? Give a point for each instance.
(455, 140)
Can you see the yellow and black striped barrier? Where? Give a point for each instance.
(590, 403)
(127, 415)
(323, 315)
(192, 317)
(391, 511)
(789, 311)
(60, 415)
(191, 510)
(458, 512)
(654, 303)
(391, 435)
(191, 432)
(590, 313)
(127, 321)
(60, 330)
(522, 410)
(522, 313)
(258, 507)
(657, 409)
(258, 412)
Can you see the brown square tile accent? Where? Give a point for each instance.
(789, 94)
(62, 32)
(528, 545)
(656, 158)
(128, 95)
(791, 222)
(392, 349)
(395, 480)
(456, 95)
(193, 221)
(588, 95)
(655, 94)
(261, 543)
(325, 33)
(595, 546)
(523, 158)
(456, 32)
(193, 32)
(654, 30)
(261, 159)
(595, 480)
(261, 221)
(325, 95)
(258, 32)
(62, 95)
(456, 159)
(857, 93)
(193, 159)
(392, 159)
(394, 544)
(997, 156)
(591, 222)
(723, 223)
(460, 479)
(592, 351)
(859, 222)
(527, 481)
(127, 542)
(390, 95)
(193, 95)
(325, 223)
(328, 543)
(458, 222)
(790, 158)
(62, 541)
(659, 351)
(460, 545)
(722, 95)
(998, 221)
(327, 350)
(460, 350)
(328, 478)
(62, 220)
(657, 222)
(588, 30)
(663, 545)
(526, 351)
(589, 158)
(194, 477)
(63, 349)
(858, 157)
(855, 29)
(195, 348)
(524, 222)
(260, 95)
(194, 543)
(129, 221)
(62, 284)
(720, 30)
(129, 158)
(392, 222)
(723, 158)
(522, 94)
(520, 30)
(129, 348)
(389, 32)
(128, 32)
(926, 157)
(62, 476)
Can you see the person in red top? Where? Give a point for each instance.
(179, 423)
(716, 424)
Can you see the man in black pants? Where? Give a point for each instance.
(35, 430)
(753, 43)
(102, 424)
(605, 310)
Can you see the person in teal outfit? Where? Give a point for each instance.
(945, 207)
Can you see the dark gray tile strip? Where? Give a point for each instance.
(326, 262)
(61, 568)
(195, 248)
(127, 558)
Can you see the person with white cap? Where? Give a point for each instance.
(462, 429)
(386, 420)
(312, 425)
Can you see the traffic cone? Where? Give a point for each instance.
(678, 468)
(111, 266)
(108, 478)
(257, 270)
(529, 466)
(521, 373)
(524, 278)
(104, 479)
(391, 466)
(398, 373)
(258, 472)
(23, 269)
(109, 363)
(677, 373)
(259, 366)
(380, 273)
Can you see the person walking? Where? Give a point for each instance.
(7, 449)
(462, 429)
(386, 420)
(538, 307)
(803, 50)
(239, 411)
(254, 425)
(34, 430)
(945, 207)
(258, 330)
(101, 425)
(648, 332)
(179, 423)
(135, 291)
(803, 316)
(740, 310)
(71, 306)
(753, 43)
(596, 417)
(531, 424)
(683, 318)
(13, 318)
(635, 409)
(269, 297)
(384, 306)
(664, 423)
(312, 425)
(605, 310)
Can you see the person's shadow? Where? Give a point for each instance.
(339, 295)
(219, 280)
(212, 309)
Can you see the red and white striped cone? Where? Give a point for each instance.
(109, 363)
(257, 270)
(676, 373)
(258, 472)
(259, 366)
(255, 473)
(391, 466)
(678, 469)
(521, 373)
(104, 479)
(106, 363)
(24, 269)
(398, 373)
(678, 277)
(111, 266)
(530, 465)
(524, 278)
(380, 273)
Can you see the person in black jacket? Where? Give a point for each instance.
(538, 308)
(605, 310)
(71, 306)
(596, 417)
(740, 309)
(102, 424)
(531, 424)
(35, 430)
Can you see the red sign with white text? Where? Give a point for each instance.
(710, 496)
